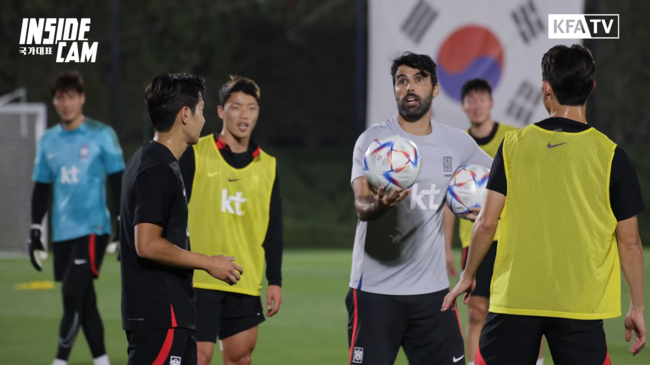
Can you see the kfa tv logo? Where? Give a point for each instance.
(68, 34)
(583, 26)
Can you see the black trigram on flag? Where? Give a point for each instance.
(419, 21)
(526, 98)
(528, 22)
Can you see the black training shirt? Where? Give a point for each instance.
(154, 296)
(624, 190)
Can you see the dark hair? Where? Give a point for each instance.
(166, 95)
(571, 73)
(475, 85)
(422, 62)
(68, 81)
(238, 84)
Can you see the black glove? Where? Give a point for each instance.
(35, 246)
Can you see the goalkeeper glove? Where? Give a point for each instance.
(115, 241)
(36, 249)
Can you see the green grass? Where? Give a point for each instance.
(310, 328)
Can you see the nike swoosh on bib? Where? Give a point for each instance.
(458, 359)
(549, 145)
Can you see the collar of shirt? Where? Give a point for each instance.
(562, 125)
(253, 149)
(485, 140)
(161, 151)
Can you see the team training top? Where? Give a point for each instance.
(403, 252)
(77, 163)
(154, 295)
(566, 186)
(490, 145)
(235, 209)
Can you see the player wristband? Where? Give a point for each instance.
(37, 226)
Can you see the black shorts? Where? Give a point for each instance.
(484, 272)
(379, 325)
(174, 346)
(79, 260)
(224, 314)
(510, 339)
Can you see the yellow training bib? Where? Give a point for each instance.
(557, 253)
(491, 148)
(229, 214)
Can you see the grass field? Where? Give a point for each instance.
(310, 328)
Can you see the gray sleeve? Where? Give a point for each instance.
(473, 154)
(358, 155)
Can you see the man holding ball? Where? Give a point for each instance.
(399, 275)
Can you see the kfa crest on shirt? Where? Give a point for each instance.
(501, 41)
(84, 152)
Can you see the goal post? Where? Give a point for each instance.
(21, 126)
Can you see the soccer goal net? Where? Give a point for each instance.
(21, 125)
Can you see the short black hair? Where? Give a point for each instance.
(571, 71)
(475, 85)
(422, 62)
(67, 81)
(166, 95)
(238, 84)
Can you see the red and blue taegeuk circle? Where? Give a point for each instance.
(469, 52)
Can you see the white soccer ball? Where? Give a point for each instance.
(393, 162)
(467, 189)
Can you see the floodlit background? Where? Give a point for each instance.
(323, 69)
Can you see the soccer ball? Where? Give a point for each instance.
(393, 162)
(467, 189)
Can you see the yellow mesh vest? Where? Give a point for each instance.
(465, 227)
(557, 253)
(229, 214)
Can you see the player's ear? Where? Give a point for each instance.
(186, 114)
(593, 87)
(436, 90)
(220, 112)
(82, 98)
(547, 91)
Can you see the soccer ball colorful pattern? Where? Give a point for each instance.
(393, 162)
(467, 189)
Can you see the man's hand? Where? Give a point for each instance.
(225, 269)
(463, 286)
(473, 214)
(273, 299)
(36, 246)
(385, 202)
(451, 264)
(634, 322)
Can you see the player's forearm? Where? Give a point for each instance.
(160, 250)
(448, 221)
(116, 190)
(482, 237)
(273, 247)
(40, 195)
(631, 253)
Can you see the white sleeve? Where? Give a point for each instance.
(474, 155)
(358, 156)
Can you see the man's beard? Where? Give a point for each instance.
(413, 113)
